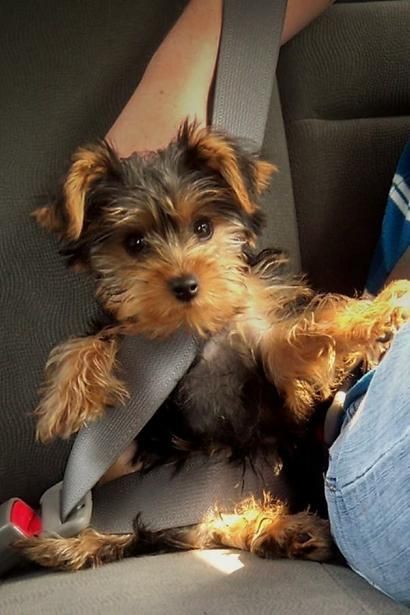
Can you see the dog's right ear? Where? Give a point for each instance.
(89, 166)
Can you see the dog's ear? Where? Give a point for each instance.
(89, 166)
(244, 173)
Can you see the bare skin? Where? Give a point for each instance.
(177, 80)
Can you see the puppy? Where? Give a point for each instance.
(170, 240)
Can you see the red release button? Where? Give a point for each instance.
(25, 518)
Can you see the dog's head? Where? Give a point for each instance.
(165, 235)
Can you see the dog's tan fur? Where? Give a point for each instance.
(88, 550)
(264, 528)
(306, 351)
(306, 356)
(80, 382)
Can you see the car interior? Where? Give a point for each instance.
(339, 117)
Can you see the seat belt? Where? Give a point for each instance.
(249, 49)
(152, 369)
(246, 69)
(248, 55)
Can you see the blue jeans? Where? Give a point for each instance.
(368, 481)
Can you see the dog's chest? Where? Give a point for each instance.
(223, 402)
(213, 395)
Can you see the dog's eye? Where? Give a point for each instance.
(135, 243)
(203, 228)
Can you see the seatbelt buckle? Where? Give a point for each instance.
(51, 514)
(17, 520)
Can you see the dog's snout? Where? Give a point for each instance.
(185, 287)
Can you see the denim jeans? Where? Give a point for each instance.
(368, 481)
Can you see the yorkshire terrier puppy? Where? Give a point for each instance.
(170, 240)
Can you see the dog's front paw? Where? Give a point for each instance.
(66, 410)
(300, 536)
(80, 384)
(62, 418)
(395, 299)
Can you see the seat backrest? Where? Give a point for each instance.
(66, 70)
(345, 90)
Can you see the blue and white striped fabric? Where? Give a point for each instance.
(395, 235)
(393, 243)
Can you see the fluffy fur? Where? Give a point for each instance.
(262, 527)
(169, 239)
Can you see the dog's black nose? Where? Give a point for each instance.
(185, 288)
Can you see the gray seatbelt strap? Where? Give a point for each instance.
(246, 68)
(245, 92)
(166, 499)
(247, 61)
(151, 371)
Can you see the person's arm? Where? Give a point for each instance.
(177, 80)
(175, 84)
(299, 14)
(402, 268)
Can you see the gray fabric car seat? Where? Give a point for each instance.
(66, 70)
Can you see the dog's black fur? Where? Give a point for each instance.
(225, 402)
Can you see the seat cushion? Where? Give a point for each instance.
(210, 582)
(67, 69)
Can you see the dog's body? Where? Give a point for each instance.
(170, 240)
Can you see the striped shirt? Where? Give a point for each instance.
(395, 234)
(393, 243)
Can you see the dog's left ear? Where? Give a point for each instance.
(89, 166)
(246, 175)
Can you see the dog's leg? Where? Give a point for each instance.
(79, 383)
(308, 357)
(87, 550)
(265, 529)
(364, 321)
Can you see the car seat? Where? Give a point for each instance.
(66, 70)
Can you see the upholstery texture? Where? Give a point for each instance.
(66, 69)
(345, 89)
(192, 583)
